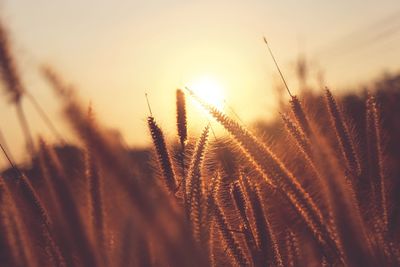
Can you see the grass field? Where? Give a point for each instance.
(318, 186)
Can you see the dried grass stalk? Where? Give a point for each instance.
(96, 204)
(347, 146)
(298, 135)
(69, 215)
(195, 187)
(34, 202)
(269, 250)
(181, 117)
(234, 249)
(375, 168)
(300, 115)
(181, 122)
(8, 68)
(241, 205)
(163, 156)
(14, 249)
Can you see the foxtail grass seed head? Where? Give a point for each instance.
(163, 156)
(8, 68)
(342, 132)
(181, 116)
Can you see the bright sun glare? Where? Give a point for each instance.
(210, 90)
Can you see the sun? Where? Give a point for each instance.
(208, 89)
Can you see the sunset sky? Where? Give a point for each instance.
(115, 51)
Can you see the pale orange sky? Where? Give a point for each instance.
(114, 51)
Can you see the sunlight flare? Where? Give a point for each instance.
(210, 90)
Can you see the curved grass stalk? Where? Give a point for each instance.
(347, 146)
(234, 249)
(275, 173)
(195, 188)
